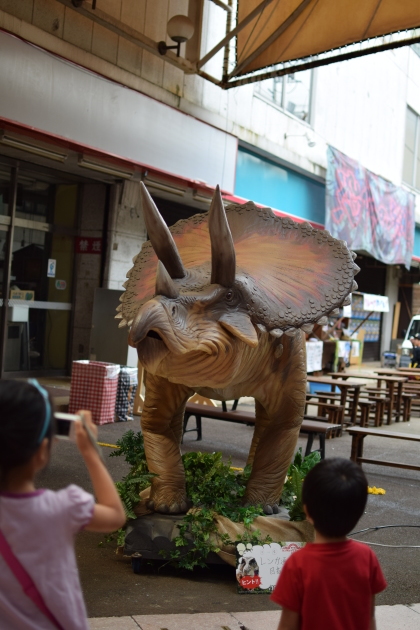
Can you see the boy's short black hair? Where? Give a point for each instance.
(335, 494)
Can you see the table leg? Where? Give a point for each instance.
(391, 402)
(399, 401)
(355, 403)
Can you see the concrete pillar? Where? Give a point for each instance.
(126, 233)
(391, 290)
(87, 267)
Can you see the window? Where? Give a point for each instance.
(291, 92)
(411, 167)
(416, 48)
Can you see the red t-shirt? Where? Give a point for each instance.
(331, 585)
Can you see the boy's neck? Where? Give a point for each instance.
(321, 539)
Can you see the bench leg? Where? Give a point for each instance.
(356, 447)
(235, 404)
(322, 445)
(309, 444)
(198, 428)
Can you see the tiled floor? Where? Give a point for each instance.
(387, 618)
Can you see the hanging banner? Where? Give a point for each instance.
(368, 212)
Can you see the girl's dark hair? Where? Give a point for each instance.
(335, 495)
(23, 413)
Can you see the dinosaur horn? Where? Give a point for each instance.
(164, 283)
(160, 236)
(223, 259)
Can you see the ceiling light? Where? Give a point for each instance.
(151, 183)
(180, 29)
(32, 148)
(201, 198)
(103, 168)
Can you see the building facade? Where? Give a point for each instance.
(86, 113)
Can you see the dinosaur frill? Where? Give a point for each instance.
(290, 274)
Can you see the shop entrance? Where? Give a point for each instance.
(38, 225)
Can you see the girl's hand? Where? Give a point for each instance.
(83, 442)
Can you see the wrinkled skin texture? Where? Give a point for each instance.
(222, 313)
(212, 361)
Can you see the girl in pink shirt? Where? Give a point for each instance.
(38, 526)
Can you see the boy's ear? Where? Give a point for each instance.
(308, 517)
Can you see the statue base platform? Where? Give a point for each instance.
(151, 533)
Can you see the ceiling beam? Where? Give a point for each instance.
(283, 27)
(317, 61)
(133, 36)
(222, 5)
(234, 32)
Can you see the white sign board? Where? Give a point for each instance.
(347, 311)
(378, 303)
(52, 264)
(111, 118)
(314, 351)
(259, 566)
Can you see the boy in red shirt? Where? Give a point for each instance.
(331, 584)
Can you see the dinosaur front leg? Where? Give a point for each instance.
(161, 424)
(278, 420)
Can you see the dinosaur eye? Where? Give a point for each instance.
(229, 295)
(173, 311)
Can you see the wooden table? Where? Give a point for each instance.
(390, 381)
(344, 389)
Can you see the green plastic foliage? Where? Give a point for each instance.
(291, 497)
(213, 488)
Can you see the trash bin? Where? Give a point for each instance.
(127, 387)
(94, 387)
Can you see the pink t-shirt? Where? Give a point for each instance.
(40, 527)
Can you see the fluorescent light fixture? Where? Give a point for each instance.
(201, 198)
(164, 187)
(32, 148)
(103, 168)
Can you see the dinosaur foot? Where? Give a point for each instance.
(268, 508)
(166, 507)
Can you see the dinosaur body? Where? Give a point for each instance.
(219, 305)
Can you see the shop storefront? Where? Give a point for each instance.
(70, 219)
(39, 221)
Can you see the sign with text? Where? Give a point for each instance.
(51, 268)
(314, 351)
(259, 566)
(378, 303)
(88, 245)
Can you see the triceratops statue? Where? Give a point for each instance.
(218, 304)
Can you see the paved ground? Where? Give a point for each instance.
(387, 618)
(113, 590)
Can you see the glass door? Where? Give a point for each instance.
(38, 323)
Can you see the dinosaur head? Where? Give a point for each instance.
(205, 322)
(202, 294)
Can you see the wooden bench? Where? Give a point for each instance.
(358, 435)
(310, 427)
